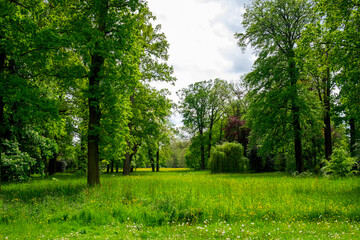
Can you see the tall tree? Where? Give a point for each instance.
(111, 45)
(342, 19)
(315, 51)
(272, 28)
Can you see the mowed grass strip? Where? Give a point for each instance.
(182, 205)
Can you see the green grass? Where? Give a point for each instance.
(182, 205)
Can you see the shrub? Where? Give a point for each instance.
(341, 163)
(15, 164)
(228, 157)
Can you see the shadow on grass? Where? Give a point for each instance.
(252, 175)
(141, 173)
(42, 189)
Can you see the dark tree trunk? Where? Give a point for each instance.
(97, 62)
(52, 165)
(2, 128)
(151, 161)
(108, 168)
(152, 165)
(297, 142)
(112, 166)
(202, 150)
(295, 114)
(53, 162)
(327, 121)
(131, 158)
(210, 139)
(126, 169)
(2, 105)
(158, 160)
(2, 131)
(352, 136)
(220, 135)
(82, 158)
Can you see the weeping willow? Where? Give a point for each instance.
(228, 157)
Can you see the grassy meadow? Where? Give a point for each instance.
(182, 205)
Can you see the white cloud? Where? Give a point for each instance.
(201, 38)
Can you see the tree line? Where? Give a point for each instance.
(75, 86)
(299, 107)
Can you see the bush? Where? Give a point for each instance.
(341, 163)
(228, 157)
(15, 164)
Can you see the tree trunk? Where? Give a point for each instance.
(82, 158)
(52, 165)
(2, 130)
(152, 165)
(352, 136)
(220, 135)
(151, 161)
(158, 160)
(94, 120)
(112, 166)
(202, 150)
(97, 62)
(327, 121)
(295, 114)
(297, 141)
(210, 138)
(126, 169)
(2, 105)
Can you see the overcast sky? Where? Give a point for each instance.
(201, 38)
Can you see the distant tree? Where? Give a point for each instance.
(147, 126)
(228, 157)
(177, 157)
(236, 130)
(202, 106)
(218, 98)
(194, 107)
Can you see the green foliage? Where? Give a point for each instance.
(217, 161)
(283, 112)
(178, 149)
(228, 157)
(193, 153)
(15, 164)
(202, 105)
(341, 163)
(132, 164)
(357, 151)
